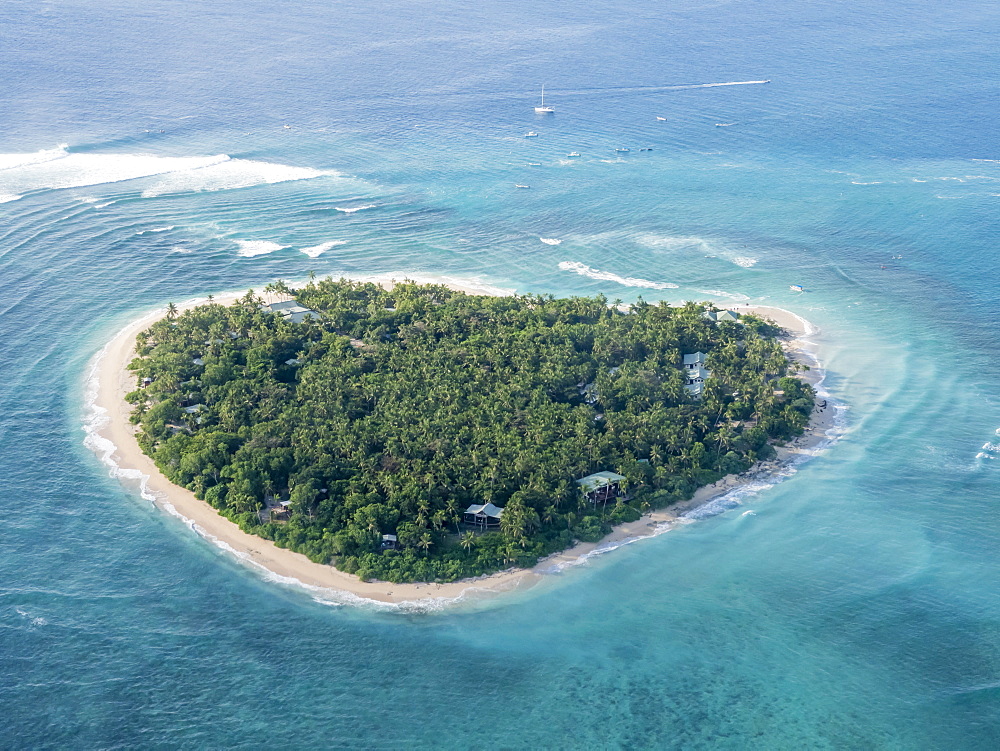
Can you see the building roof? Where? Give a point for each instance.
(695, 388)
(389, 538)
(590, 483)
(696, 359)
(698, 372)
(276, 306)
(485, 509)
(727, 315)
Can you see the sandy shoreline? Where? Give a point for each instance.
(112, 437)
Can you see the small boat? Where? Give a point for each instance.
(796, 288)
(622, 150)
(531, 134)
(542, 109)
(534, 164)
(661, 119)
(521, 186)
(573, 153)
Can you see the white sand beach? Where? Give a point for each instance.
(113, 437)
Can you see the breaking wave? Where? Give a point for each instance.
(607, 276)
(354, 209)
(736, 296)
(550, 241)
(251, 248)
(315, 251)
(56, 169)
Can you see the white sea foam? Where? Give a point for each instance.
(251, 248)
(744, 261)
(230, 174)
(550, 241)
(8, 197)
(736, 296)
(96, 418)
(355, 208)
(58, 169)
(315, 251)
(155, 229)
(608, 276)
(66, 170)
(9, 161)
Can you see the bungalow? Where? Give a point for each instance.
(719, 316)
(484, 515)
(601, 486)
(291, 311)
(389, 542)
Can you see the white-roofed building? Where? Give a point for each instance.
(291, 311)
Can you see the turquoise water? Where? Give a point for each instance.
(857, 607)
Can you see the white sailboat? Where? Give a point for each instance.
(542, 109)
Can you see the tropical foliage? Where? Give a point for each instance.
(392, 411)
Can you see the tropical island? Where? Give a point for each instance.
(419, 433)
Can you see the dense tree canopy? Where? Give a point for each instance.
(392, 411)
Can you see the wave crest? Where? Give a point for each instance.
(608, 276)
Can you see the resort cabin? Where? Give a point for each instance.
(291, 311)
(601, 486)
(719, 316)
(146, 381)
(389, 542)
(484, 516)
(696, 360)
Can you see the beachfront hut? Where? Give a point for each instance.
(601, 486)
(483, 515)
(389, 542)
(695, 360)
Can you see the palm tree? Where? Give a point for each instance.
(425, 542)
(171, 311)
(468, 541)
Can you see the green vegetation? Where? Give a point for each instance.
(392, 411)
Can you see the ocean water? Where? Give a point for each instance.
(154, 152)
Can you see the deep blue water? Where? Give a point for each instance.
(858, 607)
